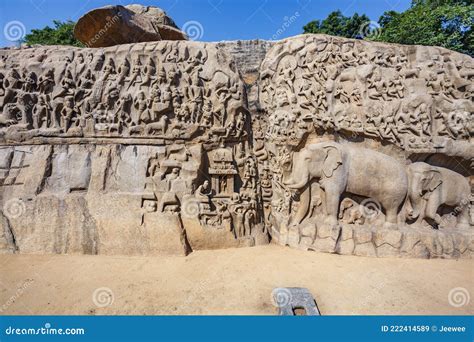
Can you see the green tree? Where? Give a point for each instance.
(446, 23)
(337, 24)
(61, 34)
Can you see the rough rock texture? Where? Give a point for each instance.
(248, 56)
(113, 25)
(316, 142)
(371, 136)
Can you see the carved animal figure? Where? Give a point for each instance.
(161, 126)
(432, 186)
(7, 118)
(340, 168)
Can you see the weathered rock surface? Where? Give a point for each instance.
(113, 25)
(168, 147)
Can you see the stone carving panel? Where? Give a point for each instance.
(368, 138)
(328, 144)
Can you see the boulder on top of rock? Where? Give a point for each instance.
(114, 25)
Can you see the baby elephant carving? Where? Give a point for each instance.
(432, 186)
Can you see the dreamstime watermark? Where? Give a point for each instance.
(14, 31)
(458, 210)
(14, 208)
(370, 30)
(193, 29)
(46, 330)
(287, 22)
(18, 293)
(370, 208)
(190, 209)
(103, 297)
(215, 4)
(458, 297)
(281, 297)
(110, 21)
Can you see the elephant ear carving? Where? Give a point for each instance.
(433, 179)
(332, 161)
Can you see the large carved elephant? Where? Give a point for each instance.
(342, 168)
(433, 186)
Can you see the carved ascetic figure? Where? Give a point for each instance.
(338, 169)
(431, 187)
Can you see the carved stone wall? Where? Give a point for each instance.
(316, 142)
(370, 147)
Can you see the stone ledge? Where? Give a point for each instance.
(407, 242)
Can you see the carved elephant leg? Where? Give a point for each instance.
(421, 212)
(303, 207)
(463, 218)
(431, 210)
(391, 215)
(333, 195)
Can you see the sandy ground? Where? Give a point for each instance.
(232, 281)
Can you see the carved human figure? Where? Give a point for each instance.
(8, 116)
(136, 73)
(396, 88)
(109, 70)
(123, 72)
(12, 84)
(237, 212)
(207, 117)
(377, 87)
(31, 82)
(141, 104)
(68, 86)
(85, 85)
(43, 114)
(46, 82)
(169, 198)
(203, 191)
(68, 114)
(250, 174)
(124, 106)
(434, 83)
(149, 73)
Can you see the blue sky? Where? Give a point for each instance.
(219, 19)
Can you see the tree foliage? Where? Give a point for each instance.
(61, 34)
(446, 23)
(337, 24)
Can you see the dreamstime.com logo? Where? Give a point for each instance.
(14, 31)
(458, 297)
(18, 293)
(110, 21)
(287, 22)
(281, 297)
(190, 209)
(103, 297)
(46, 330)
(370, 30)
(14, 208)
(193, 29)
(370, 208)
